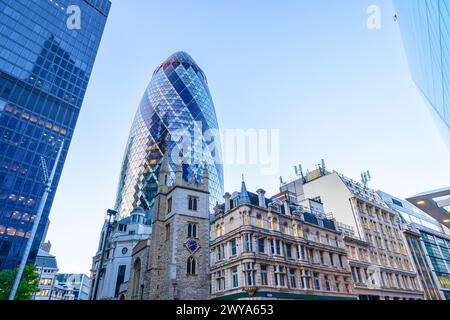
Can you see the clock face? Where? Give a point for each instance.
(192, 245)
(124, 251)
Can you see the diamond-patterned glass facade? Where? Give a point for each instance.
(177, 116)
(45, 68)
(425, 27)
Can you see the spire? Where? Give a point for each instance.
(243, 195)
(179, 173)
(205, 176)
(164, 172)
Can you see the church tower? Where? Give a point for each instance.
(178, 266)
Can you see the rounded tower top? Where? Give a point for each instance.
(138, 211)
(181, 57)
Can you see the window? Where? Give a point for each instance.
(338, 283)
(192, 230)
(167, 231)
(249, 273)
(316, 281)
(306, 279)
(289, 250)
(261, 245)
(279, 276)
(245, 218)
(285, 228)
(248, 245)
(259, 221)
(120, 278)
(272, 247)
(292, 279)
(331, 260)
(327, 283)
(278, 247)
(218, 234)
(193, 203)
(276, 225)
(322, 260)
(231, 224)
(234, 277)
(341, 263)
(233, 247)
(302, 253)
(220, 280)
(264, 278)
(220, 254)
(190, 269)
(169, 205)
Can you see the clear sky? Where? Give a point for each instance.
(335, 90)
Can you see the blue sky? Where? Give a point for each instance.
(312, 69)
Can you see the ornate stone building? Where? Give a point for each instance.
(276, 249)
(175, 264)
(381, 264)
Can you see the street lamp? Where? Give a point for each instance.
(48, 180)
(110, 214)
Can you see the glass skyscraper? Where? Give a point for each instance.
(176, 116)
(425, 28)
(47, 51)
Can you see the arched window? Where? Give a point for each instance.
(231, 224)
(136, 279)
(190, 269)
(307, 236)
(295, 230)
(276, 226)
(259, 222)
(246, 218)
(286, 228)
(217, 230)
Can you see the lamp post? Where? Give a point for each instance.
(110, 214)
(48, 180)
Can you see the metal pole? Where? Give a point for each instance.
(48, 189)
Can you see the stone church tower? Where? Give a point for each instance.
(178, 264)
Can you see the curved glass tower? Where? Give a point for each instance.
(177, 116)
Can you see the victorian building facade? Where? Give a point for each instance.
(379, 257)
(276, 249)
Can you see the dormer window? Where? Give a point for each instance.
(193, 203)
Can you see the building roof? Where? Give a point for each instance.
(436, 203)
(46, 260)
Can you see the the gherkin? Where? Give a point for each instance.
(177, 116)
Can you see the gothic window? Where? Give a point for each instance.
(167, 231)
(169, 205)
(192, 230)
(191, 266)
(193, 201)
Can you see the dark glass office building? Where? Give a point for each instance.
(47, 51)
(177, 116)
(425, 28)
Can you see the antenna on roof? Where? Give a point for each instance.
(323, 166)
(365, 178)
(281, 181)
